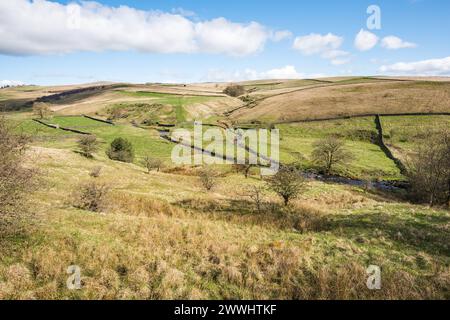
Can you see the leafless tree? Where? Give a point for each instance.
(330, 152)
(256, 194)
(91, 196)
(42, 110)
(95, 172)
(152, 163)
(243, 168)
(429, 170)
(16, 179)
(88, 144)
(208, 178)
(288, 183)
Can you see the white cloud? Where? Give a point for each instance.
(281, 35)
(327, 46)
(425, 67)
(340, 62)
(287, 72)
(365, 40)
(395, 43)
(47, 27)
(221, 36)
(10, 83)
(317, 43)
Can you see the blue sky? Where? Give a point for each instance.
(294, 39)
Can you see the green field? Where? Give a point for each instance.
(144, 141)
(406, 132)
(359, 134)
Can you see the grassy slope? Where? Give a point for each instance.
(369, 160)
(350, 99)
(404, 133)
(163, 238)
(144, 141)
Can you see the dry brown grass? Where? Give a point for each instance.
(161, 238)
(352, 99)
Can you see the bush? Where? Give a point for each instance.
(16, 180)
(234, 90)
(153, 163)
(91, 196)
(288, 183)
(121, 150)
(429, 171)
(330, 152)
(88, 145)
(95, 172)
(42, 110)
(208, 178)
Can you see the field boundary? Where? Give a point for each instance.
(99, 120)
(53, 126)
(385, 148)
(366, 115)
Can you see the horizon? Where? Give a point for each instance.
(60, 42)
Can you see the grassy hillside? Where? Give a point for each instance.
(350, 99)
(161, 237)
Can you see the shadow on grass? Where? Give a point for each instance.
(422, 232)
(290, 218)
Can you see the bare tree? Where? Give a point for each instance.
(16, 179)
(88, 144)
(42, 110)
(429, 170)
(288, 183)
(330, 152)
(243, 168)
(91, 196)
(152, 163)
(256, 194)
(208, 178)
(95, 172)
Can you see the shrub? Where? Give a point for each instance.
(88, 145)
(153, 163)
(234, 90)
(16, 180)
(208, 178)
(330, 152)
(95, 172)
(40, 109)
(91, 196)
(121, 150)
(429, 171)
(288, 183)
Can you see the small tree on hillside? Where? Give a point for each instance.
(88, 144)
(41, 110)
(243, 168)
(153, 163)
(16, 179)
(288, 183)
(121, 150)
(234, 90)
(330, 152)
(429, 171)
(208, 178)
